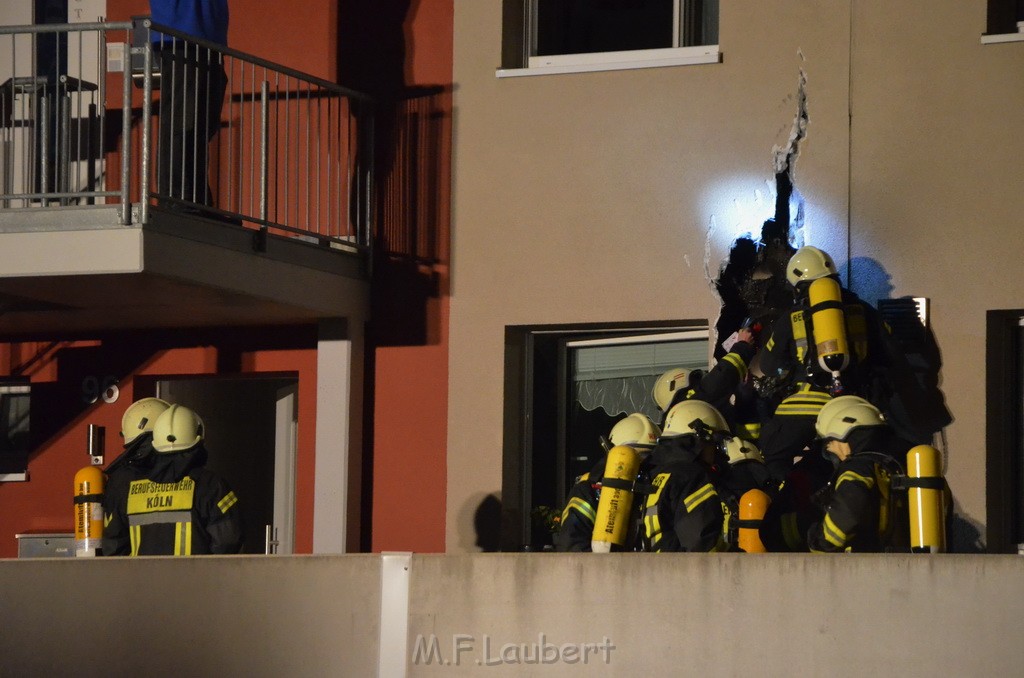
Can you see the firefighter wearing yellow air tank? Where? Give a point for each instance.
(864, 510)
(178, 506)
(682, 510)
(830, 343)
(634, 434)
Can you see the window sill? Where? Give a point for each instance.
(615, 61)
(997, 38)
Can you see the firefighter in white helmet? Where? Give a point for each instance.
(862, 511)
(715, 386)
(682, 511)
(180, 507)
(137, 434)
(577, 523)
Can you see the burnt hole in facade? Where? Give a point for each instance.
(752, 283)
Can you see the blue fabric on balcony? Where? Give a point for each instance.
(207, 19)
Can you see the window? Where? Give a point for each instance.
(1005, 21)
(1004, 431)
(564, 36)
(566, 387)
(14, 430)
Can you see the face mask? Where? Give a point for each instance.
(829, 456)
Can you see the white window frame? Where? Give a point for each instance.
(612, 61)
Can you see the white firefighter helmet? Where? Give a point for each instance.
(636, 430)
(179, 428)
(739, 450)
(680, 418)
(140, 417)
(667, 384)
(844, 414)
(809, 263)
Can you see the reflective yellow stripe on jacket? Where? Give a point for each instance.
(706, 492)
(652, 525)
(580, 506)
(804, 403)
(738, 363)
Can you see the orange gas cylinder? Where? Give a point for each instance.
(753, 506)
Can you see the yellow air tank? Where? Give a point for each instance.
(829, 326)
(88, 511)
(611, 524)
(753, 505)
(926, 497)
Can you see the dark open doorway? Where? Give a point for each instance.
(250, 424)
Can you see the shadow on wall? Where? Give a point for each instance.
(411, 168)
(480, 523)
(118, 356)
(869, 279)
(966, 535)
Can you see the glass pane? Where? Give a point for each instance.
(14, 429)
(586, 26)
(609, 382)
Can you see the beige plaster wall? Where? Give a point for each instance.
(589, 197)
(936, 189)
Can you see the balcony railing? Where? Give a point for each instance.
(145, 117)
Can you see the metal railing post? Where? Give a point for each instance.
(264, 146)
(147, 123)
(44, 156)
(260, 242)
(126, 137)
(63, 175)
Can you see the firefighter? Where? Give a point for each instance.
(716, 386)
(744, 470)
(577, 526)
(824, 346)
(862, 511)
(137, 433)
(178, 506)
(682, 509)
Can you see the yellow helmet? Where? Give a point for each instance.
(844, 414)
(636, 430)
(739, 450)
(667, 384)
(680, 418)
(178, 428)
(140, 417)
(809, 263)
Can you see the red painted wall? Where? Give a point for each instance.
(61, 417)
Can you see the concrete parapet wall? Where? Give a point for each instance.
(515, 614)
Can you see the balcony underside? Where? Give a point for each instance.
(76, 269)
